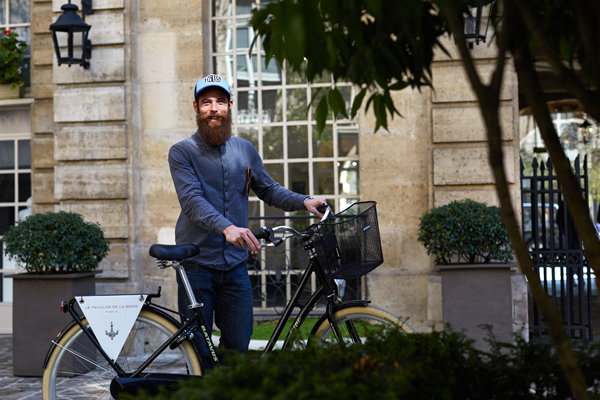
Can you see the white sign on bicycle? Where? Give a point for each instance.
(111, 318)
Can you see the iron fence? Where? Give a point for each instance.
(556, 250)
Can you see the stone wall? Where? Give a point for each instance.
(436, 153)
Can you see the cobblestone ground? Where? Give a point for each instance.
(14, 387)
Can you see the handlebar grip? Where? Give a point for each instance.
(263, 233)
(322, 208)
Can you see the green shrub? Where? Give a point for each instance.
(470, 231)
(11, 55)
(438, 365)
(56, 243)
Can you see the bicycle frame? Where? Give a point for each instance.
(325, 289)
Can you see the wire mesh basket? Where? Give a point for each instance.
(349, 246)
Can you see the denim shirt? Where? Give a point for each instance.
(211, 187)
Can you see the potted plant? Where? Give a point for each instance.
(60, 253)
(480, 283)
(11, 56)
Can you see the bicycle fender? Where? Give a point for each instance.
(146, 308)
(341, 306)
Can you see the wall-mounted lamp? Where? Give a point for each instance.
(586, 129)
(70, 23)
(473, 22)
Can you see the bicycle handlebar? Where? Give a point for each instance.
(268, 234)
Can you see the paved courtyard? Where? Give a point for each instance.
(14, 387)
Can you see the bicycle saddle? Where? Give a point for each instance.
(173, 252)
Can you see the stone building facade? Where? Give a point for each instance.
(100, 137)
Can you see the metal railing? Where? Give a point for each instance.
(556, 250)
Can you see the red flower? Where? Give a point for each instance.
(6, 31)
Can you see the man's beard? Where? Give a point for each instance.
(214, 136)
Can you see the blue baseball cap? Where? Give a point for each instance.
(210, 81)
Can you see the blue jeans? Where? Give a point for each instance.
(227, 294)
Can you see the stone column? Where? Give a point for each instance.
(436, 153)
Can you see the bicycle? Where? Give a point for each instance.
(158, 351)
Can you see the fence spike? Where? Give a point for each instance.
(549, 164)
(534, 163)
(585, 164)
(577, 170)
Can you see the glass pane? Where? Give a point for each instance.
(347, 96)
(325, 78)
(349, 172)
(296, 104)
(222, 40)
(323, 146)
(250, 134)
(24, 151)
(247, 107)
(24, 212)
(347, 140)
(15, 121)
(24, 187)
(270, 75)
(223, 66)
(25, 65)
(19, 11)
(275, 171)
(272, 106)
(299, 177)
(221, 8)
(345, 203)
(2, 13)
(295, 78)
(298, 141)
(7, 183)
(273, 143)
(243, 7)
(7, 153)
(247, 74)
(244, 35)
(323, 174)
(7, 218)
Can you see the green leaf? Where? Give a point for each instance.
(357, 102)
(337, 103)
(321, 114)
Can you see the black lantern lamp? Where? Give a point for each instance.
(71, 23)
(586, 129)
(473, 22)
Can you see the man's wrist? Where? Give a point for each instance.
(306, 199)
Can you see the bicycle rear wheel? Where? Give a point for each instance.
(76, 370)
(362, 320)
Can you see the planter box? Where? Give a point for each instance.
(37, 319)
(475, 294)
(7, 93)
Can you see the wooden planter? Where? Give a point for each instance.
(476, 294)
(7, 93)
(37, 319)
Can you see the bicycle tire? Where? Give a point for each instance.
(366, 318)
(70, 376)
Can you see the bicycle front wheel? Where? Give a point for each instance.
(355, 323)
(76, 370)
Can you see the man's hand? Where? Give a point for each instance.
(312, 204)
(240, 237)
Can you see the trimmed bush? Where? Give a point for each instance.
(56, 243)
(439, 365)
(465, 232)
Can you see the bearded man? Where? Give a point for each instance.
(213, 173)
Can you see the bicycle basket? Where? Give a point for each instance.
(349, 246)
